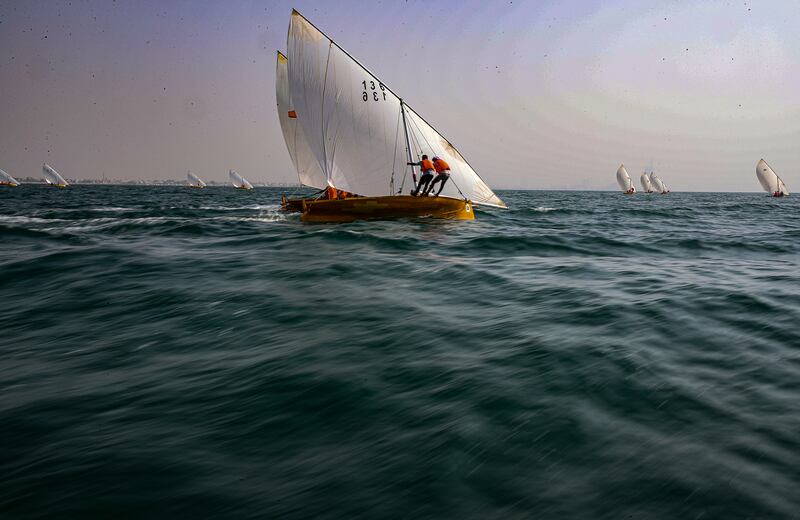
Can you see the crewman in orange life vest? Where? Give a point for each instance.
(443, 170)
(426, 167)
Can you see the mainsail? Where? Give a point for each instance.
(7, 180)
(52, 177)
(647, 186)
(195, 181)
(358, 129)
(238, 181)
(305, 163)
(624, 180)
(769, 179)
(658, 183)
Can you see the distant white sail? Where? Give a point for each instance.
(647, 186)
(303, 158)
(238, 181)
(658, 184)
(52, 177)
(195, 181)
(7, 180)
(357, 128)
(624, 180)
(769, 180)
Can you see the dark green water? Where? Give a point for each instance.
(166, 352)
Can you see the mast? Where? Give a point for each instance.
(408, 142)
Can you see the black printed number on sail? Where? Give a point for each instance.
(371, 91)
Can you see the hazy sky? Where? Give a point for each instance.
(535, 94)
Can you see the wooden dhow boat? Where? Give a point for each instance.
(239, 182)
(194, 181)
(658, 184)
(8, 180)
(624, 181)
(363, 137)
(770, 181)
(52, 177)
(647, 186)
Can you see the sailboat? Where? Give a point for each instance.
(52, 177)
(770, 181)
(7, 180)
(363, 135)
(239, 182)
(195, 181)
(647, 186)
(658, 183)
(624, 181)
(307, 166)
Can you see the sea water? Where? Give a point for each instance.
(198, 353)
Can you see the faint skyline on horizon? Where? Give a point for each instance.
(537, 95)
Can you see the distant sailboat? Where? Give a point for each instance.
(238, 181)
(52, 177)
(647, 186)
(7, 180)
(624, 181)
(770, 181)
(195, 181)
(363, 135)
(658, 184)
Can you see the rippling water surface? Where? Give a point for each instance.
(172, 352)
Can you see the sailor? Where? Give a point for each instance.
(427, 168)
(443, 171)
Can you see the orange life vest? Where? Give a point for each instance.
(332, 195)
(440, 165)
(426, 165)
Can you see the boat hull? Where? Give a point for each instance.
(398, 206)
(292, 205)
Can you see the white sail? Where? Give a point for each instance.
(769, 179)
(463, 179)
(53, 177)
(782, 187)
(647, 186)
(238, 181)
(658, 184)
(8, 179)
(624, 180)
(354, 126)
(195, 181)
(305, 163)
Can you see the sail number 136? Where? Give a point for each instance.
(370, 91)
